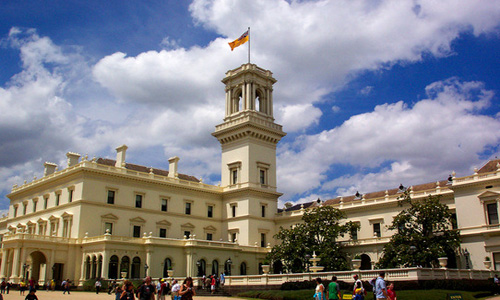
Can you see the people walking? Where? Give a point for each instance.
(66, 285)
(31, 295)
(381, 290)
(176, 287)
(187, 291)
(333, 292)
(98, 285)
(320, 290)
(128, 291)
(147, 290)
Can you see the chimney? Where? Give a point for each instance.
(172, 166)
(288, 205)
(120, 156)
(50, 168)
(73, 158)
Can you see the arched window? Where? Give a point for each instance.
(167, 265)
(136, 268)
(365, 262)
(278, 267)
(88, 267)
(215, 267)
(113, 267)
(260, 101)
(124, 265)
(243, 269)
(94, 266)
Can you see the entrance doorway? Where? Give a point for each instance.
(36, 267)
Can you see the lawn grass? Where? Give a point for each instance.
(406, 295)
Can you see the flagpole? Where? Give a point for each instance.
(248, 44)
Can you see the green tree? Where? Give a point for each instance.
(423, 232)
(319, 232)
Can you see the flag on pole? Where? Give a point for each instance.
(239, 41)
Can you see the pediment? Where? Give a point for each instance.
(187, 225)
(164, 223)
(210, 228)
(40, 220)
(109, 217)
(488, 196)
(67, 215)
(30, 223)
(53, 218)
(138, 220)
(20, 225)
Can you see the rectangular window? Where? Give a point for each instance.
(70, 196)
(234, 179)
(496, 261)
(188, 208)
(209, 236)
(137, 231)
(263, 211)
(492, 213)
(233, 210)
(163, 232)
(263, 240)
(25, 207)
(262, 176)
(45, 202)
(138, 201)
(187, 234)
(58, 197)
(454, 222)
(15, 211)
(111, 197)
(164, 204)
(376, 229)
(354, 234)
(108, 226)
(210, 212)
(233, 237)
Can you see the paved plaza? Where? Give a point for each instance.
(58, 295)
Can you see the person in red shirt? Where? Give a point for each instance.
(212, 284)
(391, 293)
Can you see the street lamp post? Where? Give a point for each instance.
(24, 270)
(146, 267)
(413, 250)
(229, 262)
(466, 255)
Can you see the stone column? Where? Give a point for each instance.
(271, 102)
(228, 102)
(15, 265)
(105, 265)
(249, 96)
(243, 95)
(82, 276)
(189, 264)
(5, 260)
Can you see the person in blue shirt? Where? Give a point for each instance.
(380, 288)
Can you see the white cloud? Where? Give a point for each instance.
(424, 142)
(367, 90)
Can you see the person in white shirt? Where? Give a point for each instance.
(176, 287)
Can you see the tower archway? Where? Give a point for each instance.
(36, 267)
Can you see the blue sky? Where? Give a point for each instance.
(371, 93)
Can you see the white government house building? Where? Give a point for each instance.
(112, 219)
